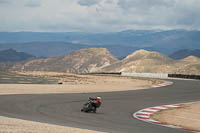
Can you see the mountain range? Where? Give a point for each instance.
(120, 44)
(51, 49)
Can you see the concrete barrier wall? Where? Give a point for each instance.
(148, 75)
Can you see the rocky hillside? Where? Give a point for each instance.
(11, 55)
(82, 61)
(100, 60)
(143, 61)
(188, 65)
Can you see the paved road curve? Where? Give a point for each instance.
(115, 115)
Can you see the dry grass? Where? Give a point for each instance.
(187, 116)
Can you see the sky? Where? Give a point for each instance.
(98, 15)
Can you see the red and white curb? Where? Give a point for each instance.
(145, 114)
(166, 83)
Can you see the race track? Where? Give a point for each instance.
(114, 116)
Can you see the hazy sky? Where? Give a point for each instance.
(98, 15)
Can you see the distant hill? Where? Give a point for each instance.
(11, 55)
(190, 59)
(181, 54)
(142, 61)
(43, 49)
(188, 65)
(81, 61)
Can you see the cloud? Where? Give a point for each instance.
(33, 3)
(98, 15)
(88, 2)
(5, 2)
(166, 13)
(143, 4)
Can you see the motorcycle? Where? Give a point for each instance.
(88, 107)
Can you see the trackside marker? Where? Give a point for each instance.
(147, 111)
(155, 108)
(142, 114)
(143, 117)
(166, 83)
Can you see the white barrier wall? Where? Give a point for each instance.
(149, 75)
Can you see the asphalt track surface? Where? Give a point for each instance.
(114, 116)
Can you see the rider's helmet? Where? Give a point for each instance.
(98, 99)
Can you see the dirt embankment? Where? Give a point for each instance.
(187, 116)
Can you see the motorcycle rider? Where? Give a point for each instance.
(96, 102)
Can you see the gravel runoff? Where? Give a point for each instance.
(187, 116)
(9, 125)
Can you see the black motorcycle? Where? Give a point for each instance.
(88, 107)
